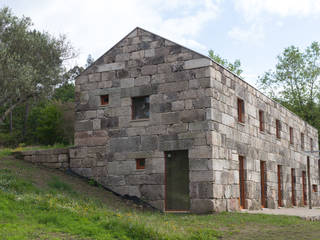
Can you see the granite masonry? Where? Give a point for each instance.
(149, 102)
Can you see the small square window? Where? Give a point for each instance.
(140, 163)
(240, 110)
(278, 128)
(104, 99)
(315, 188)
(140, 107)
(291, 135)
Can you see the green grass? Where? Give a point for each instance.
(36, 203)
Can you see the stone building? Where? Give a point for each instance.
(163, 123)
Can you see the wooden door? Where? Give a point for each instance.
(177, 181)
(293, 187)
(242, 182)
(304, 188)
(263, 174)
(279, 186)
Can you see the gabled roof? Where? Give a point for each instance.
(204, 56)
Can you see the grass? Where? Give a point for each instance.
(8, 151)
(38, 203)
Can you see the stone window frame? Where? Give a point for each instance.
(133, 115)
(278, 129)
(302, 140)
(104, 100)
(261, 121)
(291, 137)
(140, 163)
(241, 110)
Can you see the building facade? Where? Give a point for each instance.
(163, 123)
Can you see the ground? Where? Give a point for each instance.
(39, 203)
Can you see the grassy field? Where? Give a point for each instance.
(38, 203)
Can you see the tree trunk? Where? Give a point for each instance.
(26, 114)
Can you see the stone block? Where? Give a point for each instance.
(96, 124)
(192, 115)
(149, 143)
(201, 205)
(110, 67)
(197, 63)
(126, 82)
(94, 77)
(110, 122)
(83, 126)
(169, 118)
(149, 69)
(125, 144)
(143, 80)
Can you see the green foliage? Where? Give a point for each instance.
(56, 184)
(65, 93)
(49, 119)
(10, 139)
(295, 82)
(29, 212)
(10, 183)
(30, 61)
(233, 67)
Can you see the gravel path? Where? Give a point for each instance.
(305, 213)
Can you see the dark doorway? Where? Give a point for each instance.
(279, 185)
(304, 188)
(293, 186)
(177, 181)
(242, 183)
(263, 173)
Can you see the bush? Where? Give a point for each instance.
(10, 139)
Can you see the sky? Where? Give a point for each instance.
(254, 31)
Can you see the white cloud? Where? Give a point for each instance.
(252, 9)
(95, 26)
(253, 34)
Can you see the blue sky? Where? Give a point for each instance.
(254, 31)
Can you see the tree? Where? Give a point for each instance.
(90, 60)
(233, 67)
(295, 80)
(30, 61)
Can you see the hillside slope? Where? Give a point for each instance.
(39, 203)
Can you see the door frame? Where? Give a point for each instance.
(165, 183)
(304, 188)
(263, 177)
(280, 187)
(293, 187)
(242, 188)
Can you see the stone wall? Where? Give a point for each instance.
(52, 158)
(107, 139)
(193, 106)
(232, 138)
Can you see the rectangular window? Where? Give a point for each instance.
(302, 141)
(140, 107)
(291, 135)
(280, 194)
(278, 128)
(140, 163)
(314, 188)
(240, 110)
(261, 120)
(104, 99)
(311, 144)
